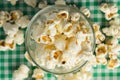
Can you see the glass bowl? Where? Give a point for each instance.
(36, 26)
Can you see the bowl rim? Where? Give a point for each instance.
(27, 33)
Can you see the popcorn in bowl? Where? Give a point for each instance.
(63, 33)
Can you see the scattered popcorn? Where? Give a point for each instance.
(99, 37)
(110, 10)
(19, 37)
(38, 74)
(23, 21)
(10, 29)
(21, 73)
(15, 14)
(113, 63)
(104, 8)
(27, 56)
(42, 4)
(31, 3)
(101, 50)
(4, 16)
(13, 2)
(85, 11)
(60, 2)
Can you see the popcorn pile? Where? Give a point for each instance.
(65, 34)
(54, 37)
(12, 23)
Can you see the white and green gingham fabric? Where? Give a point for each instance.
(10, 60)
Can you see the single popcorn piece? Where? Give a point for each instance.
(45, 39)
(21, 73)
(5, 16)
(101, 50)
(15, 14)
(110, 10)
(113, 63)
(75, 17)
(104, 8)
(60, 2)
(13, 2)
(99, 37)
(63, 15)
(10, 29)
(38, 74)
(19, 37)
(96, 27)
(27, 56)
(23, 21)
(42, 4)
(68, 29)
(109, 16)
(85, 11)
(31, 3)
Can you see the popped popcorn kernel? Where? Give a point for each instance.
(38, 74)
(31, 3)
(13, 2)
(21, 73)
(85, 11)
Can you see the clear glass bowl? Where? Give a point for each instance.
(34, 48)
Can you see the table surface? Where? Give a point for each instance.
(10, 60)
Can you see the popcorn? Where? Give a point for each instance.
(101, 61)
(110, 10)
(45, 39)
(104, 8)
(113, 63)
(96, 27)
(29, 58)
(85, 11)
(19, 37)
(60, 43)
(42, 4)
(9, 40)
(3, 46)
(101, 50)
(68, 29)
(60, 2)
(13, 2)
(109, 16)
(10, 29)
(1, 23)
(23, 21)
(21, 73)
(57, 54)
(99, 37)
(31, 3)
(15, 14)
(63, 15)
(38, 74)
(75, 17)
(4, 16)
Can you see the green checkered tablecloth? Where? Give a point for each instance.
(10, 60)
